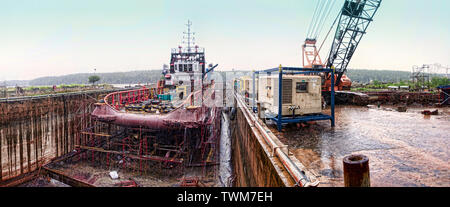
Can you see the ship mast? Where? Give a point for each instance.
(189, 39)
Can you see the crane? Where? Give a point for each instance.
(352, 23)
(354, 19)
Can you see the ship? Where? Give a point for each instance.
(174, 122)
(177, 98)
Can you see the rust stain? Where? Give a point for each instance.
(34, 131)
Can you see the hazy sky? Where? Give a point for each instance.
(57, 37)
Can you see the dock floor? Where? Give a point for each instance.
(405, 149)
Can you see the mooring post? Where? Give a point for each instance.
(356, 171)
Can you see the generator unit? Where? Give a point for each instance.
(301, 95)
(246, 87)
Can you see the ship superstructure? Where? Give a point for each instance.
(187, 62)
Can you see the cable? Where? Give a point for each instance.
(318, 17)
(313, 18)
(322, 15)
(326, 37)
(330, 8)
(332, 26)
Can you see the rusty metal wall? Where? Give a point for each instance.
(33, 130)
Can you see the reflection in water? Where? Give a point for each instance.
(405, 149)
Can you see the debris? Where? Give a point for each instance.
(114, 175)
(189, 182)
(127, 183)
(428, 112)
(436, 112)
(401, 109)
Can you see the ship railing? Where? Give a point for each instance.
(119, 100)
(186, 50)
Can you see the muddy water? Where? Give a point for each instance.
(225, 152)
(405, 149)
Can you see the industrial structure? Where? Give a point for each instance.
(352, 23)
(173, 129)
(301, 94)
(287, 96)
(297, 93)
(421, 76)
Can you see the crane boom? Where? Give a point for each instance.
(354, 20)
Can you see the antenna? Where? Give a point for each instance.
(190, 39)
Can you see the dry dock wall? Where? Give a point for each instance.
(34, 130)
(252, 164)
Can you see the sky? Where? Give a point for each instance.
(54, 37)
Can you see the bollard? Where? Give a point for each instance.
(356, 171)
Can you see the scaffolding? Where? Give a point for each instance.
(176, 151)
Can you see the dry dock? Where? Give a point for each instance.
(404, 148)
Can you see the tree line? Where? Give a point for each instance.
(151, 76)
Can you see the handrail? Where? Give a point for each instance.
(52, 95)
(130, 96)
(138, 95)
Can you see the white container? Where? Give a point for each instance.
(302, 93)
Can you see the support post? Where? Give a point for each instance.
(120, 99)
(253, 93)
(280, 100)
(224, 93)
(192, 91)
(332, 99)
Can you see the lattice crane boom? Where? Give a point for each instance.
(355, 17)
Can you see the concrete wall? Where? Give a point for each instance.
(252, 164)
(35, 130)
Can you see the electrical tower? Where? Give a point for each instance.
(421, 76)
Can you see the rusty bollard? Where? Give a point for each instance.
(356, 171)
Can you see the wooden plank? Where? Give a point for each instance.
(60, 176)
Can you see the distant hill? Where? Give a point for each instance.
(151, 76)
(112, 78)
(14, 83)
(365, 76)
